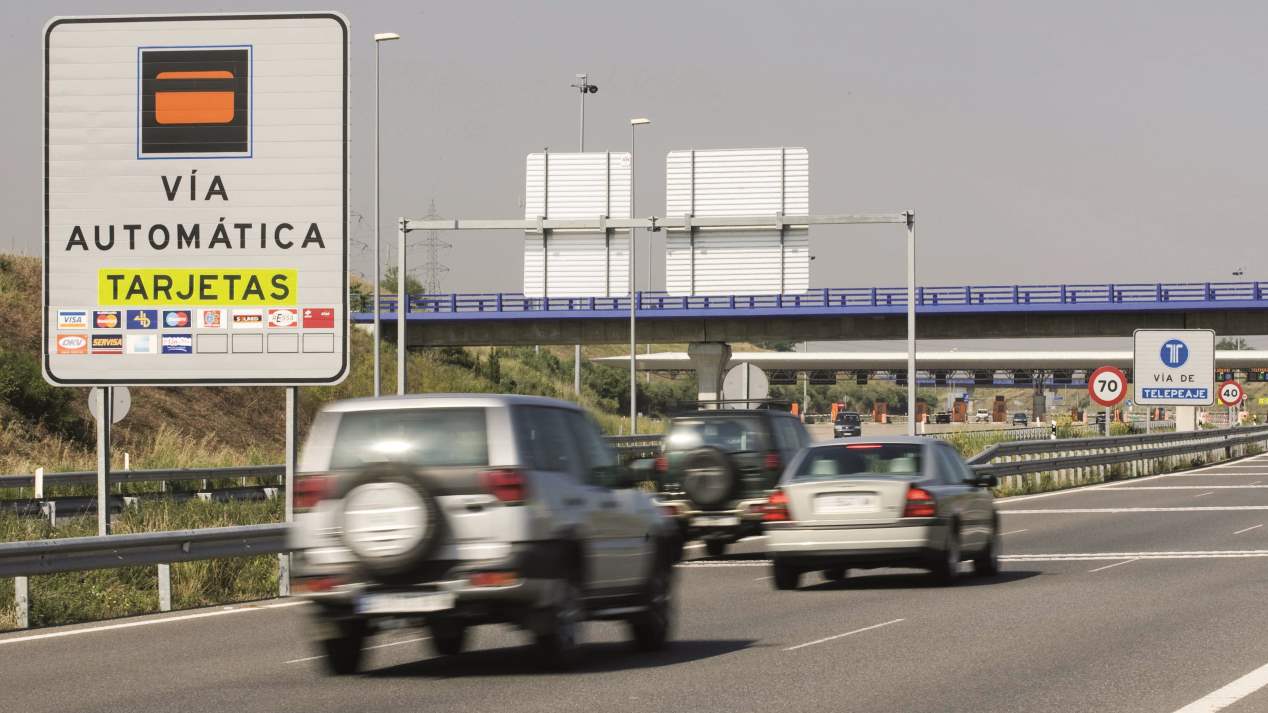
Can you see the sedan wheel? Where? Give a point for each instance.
(651, 627)
(946, 570)
(986, 562)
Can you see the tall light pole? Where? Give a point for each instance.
(634, 124)
(583, 87)
(911, 323)
(379, 39)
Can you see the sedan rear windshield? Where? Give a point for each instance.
(730, 435)
(849, 419)
(425, 437)
(898, 460)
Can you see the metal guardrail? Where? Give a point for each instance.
(71, 554)
(621, 444)
(1018, 457)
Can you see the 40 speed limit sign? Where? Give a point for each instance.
(1107, 385)
(1231, 393)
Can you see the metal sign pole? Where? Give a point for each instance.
(292, 431)
(911, 323)
(402, 306)
(104, 419)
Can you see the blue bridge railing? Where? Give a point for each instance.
(988, 298)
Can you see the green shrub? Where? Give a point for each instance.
(23, 388)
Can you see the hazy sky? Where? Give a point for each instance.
(1038, 142)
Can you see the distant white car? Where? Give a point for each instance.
(982, 416)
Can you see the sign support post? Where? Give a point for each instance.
(292, 431)
(911, 322)
(104, 420)
(402, 306)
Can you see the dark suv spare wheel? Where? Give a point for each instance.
(390, 522)
(708, 477)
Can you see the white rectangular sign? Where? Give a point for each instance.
(577, 263)
(1174, 367)
(737, 182)
(196, 193)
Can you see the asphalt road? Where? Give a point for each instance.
(1145, 595)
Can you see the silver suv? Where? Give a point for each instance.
(455, 510)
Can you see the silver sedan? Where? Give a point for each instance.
(886, 502)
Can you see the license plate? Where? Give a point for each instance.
(405, 602)
(715, 520)
(846, 504)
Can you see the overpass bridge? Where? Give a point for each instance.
(832, 314)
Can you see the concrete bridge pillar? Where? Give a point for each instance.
(710, 360)
(1039, 403)
(1186, 419)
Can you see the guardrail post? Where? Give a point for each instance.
(49, 510)
(283, 575)
(39, 483)
(165, 587)
(22, 600)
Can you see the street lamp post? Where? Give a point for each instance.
(379, 39)
(583, 87)
(634, 124)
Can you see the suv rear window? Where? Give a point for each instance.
(426, 437)
(901, 460)
(729, 435)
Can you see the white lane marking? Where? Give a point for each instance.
(1252, 527)
(1014, 532)
(761, 579)
(1252, 486)
(1228, 695)
(1257, 482)
(693, 547)
(1116, 564)
(1093, 556)
(698, 564)
(237, 609)
(839, 636)
(1202, 494)
(1180, 508)
(366, 648)
(751, 537)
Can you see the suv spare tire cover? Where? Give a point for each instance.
(708, 477)
(390, 521)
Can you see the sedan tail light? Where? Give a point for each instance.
(505, 484)
(776, 509)
(312, 489)
(662, 465)
(920, 503)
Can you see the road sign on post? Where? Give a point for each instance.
(1174, 367)
(196, 192)
(1231, 393)
(1107, 386)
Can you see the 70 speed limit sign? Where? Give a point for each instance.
(1107, 386)
(1231, 393)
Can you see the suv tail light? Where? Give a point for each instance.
(776, 509)
(920, 503)
(773, 461)
(505, 484)
(312, 489)
(662, 464)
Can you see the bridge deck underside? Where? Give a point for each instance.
(612, 327)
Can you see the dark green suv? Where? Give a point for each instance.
(718, 467)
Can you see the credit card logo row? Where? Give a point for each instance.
(209, 318)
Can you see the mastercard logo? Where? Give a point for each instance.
(179, 318)
(106, 320)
